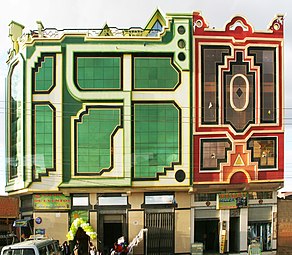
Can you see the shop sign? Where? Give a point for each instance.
(231, 200)
(40, 231)
(20, 223)
(51, 202)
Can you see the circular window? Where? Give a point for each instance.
(181, 30)
(180, 175)
(199, 23)
(181, 44)
(181, 56)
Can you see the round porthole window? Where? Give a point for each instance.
(181, 30)
(181, 44)
(180, 175)
(181, 56)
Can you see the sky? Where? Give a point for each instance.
(75, 14)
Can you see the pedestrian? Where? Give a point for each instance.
(66, 248)
(92, 249)
(76, 248)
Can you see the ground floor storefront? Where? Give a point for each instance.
(162, 222)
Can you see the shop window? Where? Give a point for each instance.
(261, 233)
(113, 200)
(158, 199)
(80, 201)
(213, 152)
(260, 195)
(205, 197)
(264, 151)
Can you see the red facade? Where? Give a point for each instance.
(238, 103)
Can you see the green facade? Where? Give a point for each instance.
(107, 111)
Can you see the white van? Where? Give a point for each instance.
(33, 247)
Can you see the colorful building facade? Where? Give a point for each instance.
(238, 133)
(116, 126)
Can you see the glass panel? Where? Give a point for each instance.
(95, 133)
(211, 57)
(213, 152)
(263, 151)
(159, 199)
(44, 74)
(156, 144)
(44, 139)
(155, 73)
(80, 201)
(205, 197)
(99, 72)
(122, 200)
(239, 94)
(157, 28)
(261, 233)
(16, 95)
(260, 195)
(266, 59)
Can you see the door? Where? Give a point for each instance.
(234, 235)
(160, 236)
(206, 232)
(112, 227)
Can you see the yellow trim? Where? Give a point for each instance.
(236, 171)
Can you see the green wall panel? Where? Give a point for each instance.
(155, 73)
(156, 144)
(94, 139)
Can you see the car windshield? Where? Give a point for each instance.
(19, 252)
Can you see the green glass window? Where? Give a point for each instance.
(98, 73)
(155, 73)
(95, 136)
(44, 139)
(264, 151)
(16, 97)
(44, 75)
(156, 143)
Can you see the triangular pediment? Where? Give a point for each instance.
(106, 31)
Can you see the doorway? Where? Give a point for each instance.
(112, 227)
(206, 232)
(234, 235)
(160, 237)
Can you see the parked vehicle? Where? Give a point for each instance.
(33, 247)
(6, 239)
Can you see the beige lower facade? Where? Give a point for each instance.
(166, 225)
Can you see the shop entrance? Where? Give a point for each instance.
(260, 232)
(160, 237)
(234, 235)
(206, 232)
(112, 227)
